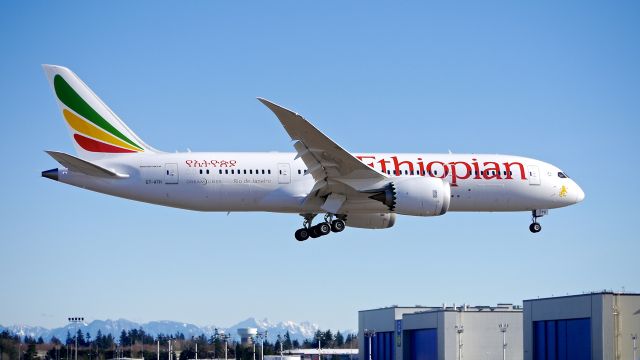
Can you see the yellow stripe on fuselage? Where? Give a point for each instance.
(85, 128)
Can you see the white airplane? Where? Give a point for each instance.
(363, 190)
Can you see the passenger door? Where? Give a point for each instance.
(284, 173)
(171, 173)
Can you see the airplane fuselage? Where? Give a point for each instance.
(364, 190)
(277, 182)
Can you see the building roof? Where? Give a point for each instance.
(464, 307)
(604, 292)
(401, 307)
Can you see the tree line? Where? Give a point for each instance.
(136, 343)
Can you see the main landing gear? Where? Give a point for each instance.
(321, 229)
(535, 226)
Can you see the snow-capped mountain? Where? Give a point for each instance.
(301, 331)
(298, 331)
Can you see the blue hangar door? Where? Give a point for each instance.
(382, 346)
(562, 339)
(423, 344)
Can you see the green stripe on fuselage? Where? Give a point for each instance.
(70, 97)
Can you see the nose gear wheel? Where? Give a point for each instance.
(535, 226)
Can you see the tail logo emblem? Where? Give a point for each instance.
(92, 132)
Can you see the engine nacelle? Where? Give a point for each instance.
(371, 221)
(418, 196)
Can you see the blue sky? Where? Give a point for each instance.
(559, 82)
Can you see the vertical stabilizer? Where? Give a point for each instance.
(96, 131)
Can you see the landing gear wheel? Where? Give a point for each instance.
(302, 234)
(337, 225)
(535, 227)
(313, 232)
(323, 228)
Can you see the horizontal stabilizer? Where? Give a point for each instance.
(82, 166)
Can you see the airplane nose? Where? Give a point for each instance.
(579, 194)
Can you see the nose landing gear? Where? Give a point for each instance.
(321, 229)
(535, 226)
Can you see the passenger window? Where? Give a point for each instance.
(250, 171)
(226, 172)
(245, 172)
(269, 171)
(220, 171)
(435, 172)
(280, 172)
(406, 172)
(231, 171)
(207, 171)
(263, 172)
(200, 172)
(299, 171)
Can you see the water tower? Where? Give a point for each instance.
(246, 334)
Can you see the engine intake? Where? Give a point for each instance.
(419, 196)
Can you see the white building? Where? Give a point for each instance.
(441, 333)
(323, 354)
(582, 327)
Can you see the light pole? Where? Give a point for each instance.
(76, 320)
(262, 336)
(280, 341)
(319, 337)
(459, 330)
(503, 329)
(369, 334)
(225, 338)
(253, 341)
(634, 337)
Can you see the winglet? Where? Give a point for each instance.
(286, 116)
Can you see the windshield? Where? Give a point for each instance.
(562, 175)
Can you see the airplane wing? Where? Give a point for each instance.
(328, 162)
(82, 166)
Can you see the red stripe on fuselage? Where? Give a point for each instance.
(97, 146)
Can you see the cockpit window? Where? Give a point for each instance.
(562, 175)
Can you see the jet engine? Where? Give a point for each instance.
(371, 221)
(418, 196)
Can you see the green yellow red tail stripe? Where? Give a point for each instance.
(94, 132)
